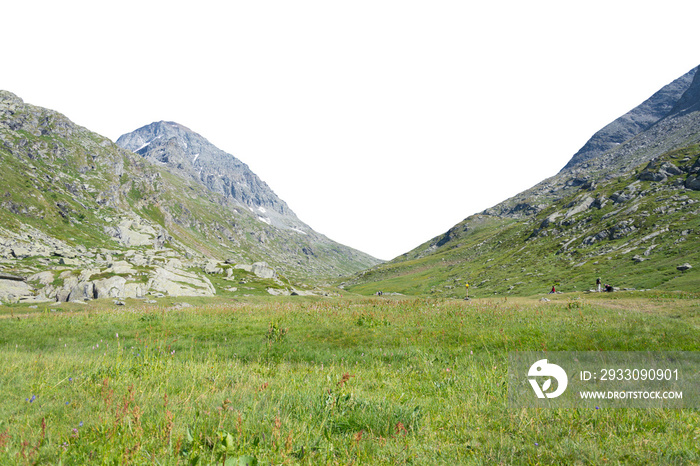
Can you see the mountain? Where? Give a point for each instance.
(624, 208)
(636, 121)
(81, 217)
(191, 156)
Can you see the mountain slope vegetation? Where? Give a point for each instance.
(78, 213)
(626, 213)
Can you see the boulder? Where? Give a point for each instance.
(82, 291)
(212, 267)
(112, 287)
(120, 268)
(64, 252)
(43, 278)
(684, 267)
(693, 182)
(134, 290)
(582, 207)
(174, 282)
(262, 270)
(20, 252)
(132, 233)
(62, 294)
(13, 290)
(69, 282)
(652, 176)
(68, 261)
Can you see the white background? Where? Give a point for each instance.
(381, 123)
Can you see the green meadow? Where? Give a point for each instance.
(350, 380)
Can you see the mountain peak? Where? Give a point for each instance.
(636, 121)
(690, 100)
(192, 156)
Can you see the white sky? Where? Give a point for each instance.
(381, 123)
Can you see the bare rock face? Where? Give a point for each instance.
(13, 290)
(635, 121)
(192, 156)
(178, 282)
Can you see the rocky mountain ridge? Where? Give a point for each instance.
(81, 218)
(667, 121)
(190, 155)
(626, 208)
(639, 231)
(637, 120)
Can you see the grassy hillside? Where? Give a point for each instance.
(65, 191)
(630, 231)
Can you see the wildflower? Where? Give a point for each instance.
(31, 400)
(81, 424)
(537, 444)
(117, 335)
(70, 379)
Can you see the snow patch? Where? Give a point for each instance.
(299, 231)
(265, 220)
(146, 145)
(195, 158)
(262, 209)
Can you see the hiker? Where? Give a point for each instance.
(597, 282)
(467, 286)
(553, 290)
(608, 288)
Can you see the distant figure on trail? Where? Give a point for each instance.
(608, 288)
(553, 290)
(379, 293)
(467, 286)
(597, 282)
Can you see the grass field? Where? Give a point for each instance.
(327, 381)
